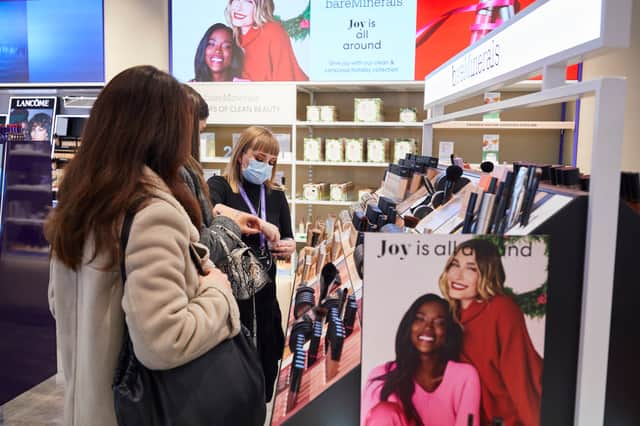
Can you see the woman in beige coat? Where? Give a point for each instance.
(135, 140)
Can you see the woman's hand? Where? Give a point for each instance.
(248, 223)
(283, 248)
(269, 230)
(215, 277)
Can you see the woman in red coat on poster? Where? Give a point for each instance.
(495, 341)
(268, 55)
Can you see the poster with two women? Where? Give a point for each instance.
(453, 329)
(326, 40)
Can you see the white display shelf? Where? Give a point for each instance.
(226, 160)
(30, 188)
(506, 125)
(24, 221)
(324, 202)
(341, 164)
(337, 124)
(362, 86)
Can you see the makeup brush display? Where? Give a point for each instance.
(323, 334)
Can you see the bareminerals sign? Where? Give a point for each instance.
(547, 33)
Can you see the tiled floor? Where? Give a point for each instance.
(39, 406)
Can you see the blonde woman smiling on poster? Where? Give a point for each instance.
(268, 55)
(495, 340)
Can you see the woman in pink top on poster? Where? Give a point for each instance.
(268, 55)
(424, 386)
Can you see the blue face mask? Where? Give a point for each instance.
(257, 172)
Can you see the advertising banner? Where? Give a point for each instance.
(35, 115)
(453, 329)
(326, 40)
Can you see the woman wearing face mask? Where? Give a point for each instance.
(218, 57)
(268, 55)
(247, 186)
(424, 385)
(496, 340)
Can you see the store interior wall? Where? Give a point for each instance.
(135, 33)
(625, 62)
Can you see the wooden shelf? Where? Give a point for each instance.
(324, 203)
(506, 125)
(212, 160)
(337, 124)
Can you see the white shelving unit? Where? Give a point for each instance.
(608, 27)
(506, 125)
(356, 124)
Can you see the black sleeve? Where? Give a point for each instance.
(285, 217)
(218, 190)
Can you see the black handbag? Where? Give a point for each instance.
(225, 386)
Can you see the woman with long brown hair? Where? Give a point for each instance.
(137, 137)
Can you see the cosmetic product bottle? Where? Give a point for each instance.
(468, 217)
(314, 344)
(584, 182)
(372, 213)
(555, 175)
(350, 314)
(396, 182)
(503, 201)
(527, 207)
(570, 177)
(300, 332)
(297, 369)
(335, 336)
(517, 196)
(303, 301)
(359, 221)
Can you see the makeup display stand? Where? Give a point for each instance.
(323, 338)
(610, 28)
(583, 267)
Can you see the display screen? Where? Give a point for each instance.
(51, 41)
(328, 40)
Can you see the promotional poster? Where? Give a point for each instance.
(453, 329)
(51, 41)
(35, 116)
(326, 40)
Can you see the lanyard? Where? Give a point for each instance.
(263, 208)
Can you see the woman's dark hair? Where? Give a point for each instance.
(202, 110)
(193, 162)
(41, 119)
(142, 117)
(202, 71)
(400, 381)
